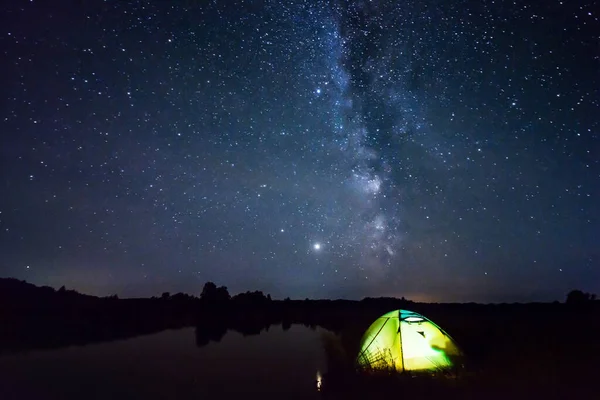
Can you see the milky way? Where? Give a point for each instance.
(429, 149)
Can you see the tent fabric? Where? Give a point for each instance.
(404, 340)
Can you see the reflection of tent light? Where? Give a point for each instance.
(319, 380)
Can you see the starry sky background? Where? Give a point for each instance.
(437, 150)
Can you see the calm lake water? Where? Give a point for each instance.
(168, 365)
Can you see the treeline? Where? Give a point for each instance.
(20, 295)
(42, 317)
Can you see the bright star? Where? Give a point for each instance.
(317, 246)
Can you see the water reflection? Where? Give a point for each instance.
(276, 363)
(319, 381)
(268, 355)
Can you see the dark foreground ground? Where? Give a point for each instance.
(512, 351)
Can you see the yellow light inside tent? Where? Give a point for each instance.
(403, 341)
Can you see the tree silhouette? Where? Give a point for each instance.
(213, 294)
(256, 297)
(208, 290)
(579, 297)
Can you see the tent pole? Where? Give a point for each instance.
(400, 338)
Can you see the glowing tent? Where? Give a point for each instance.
(406, 341)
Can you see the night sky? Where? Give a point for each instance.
(432, 149)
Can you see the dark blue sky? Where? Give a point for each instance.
(437, 150)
